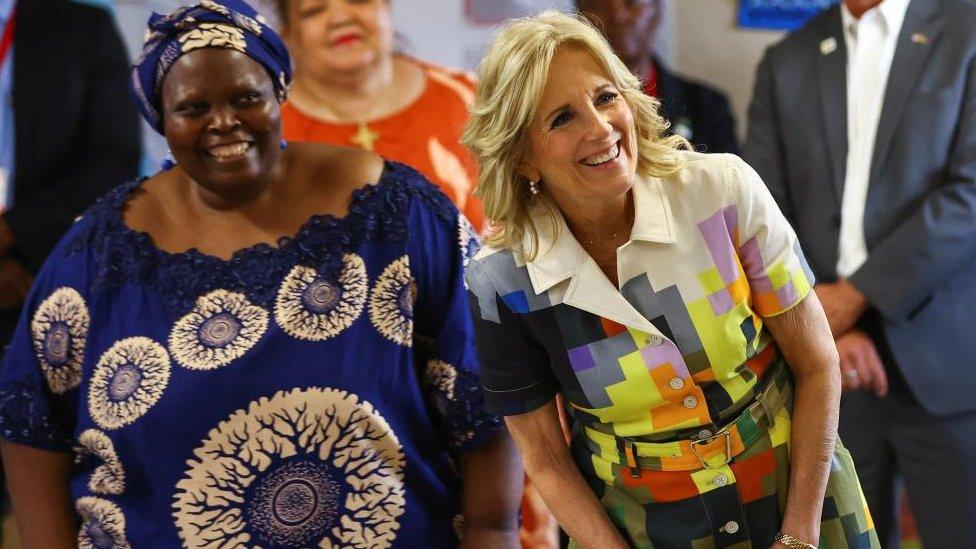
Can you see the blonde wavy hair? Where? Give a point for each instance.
(512, 76)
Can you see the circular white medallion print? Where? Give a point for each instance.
(102, 524)
(391, 305)
(442, 377)
(59, 329)
(221, 328)
(314, 308)
(128, 380)
(109, 477)
(313, 467)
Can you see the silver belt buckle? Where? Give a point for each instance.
(727, 433)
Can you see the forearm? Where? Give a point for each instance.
(813, 434)
(491, 477)
(803, 336)
(554, 473)
(571, 501)
(37, 481)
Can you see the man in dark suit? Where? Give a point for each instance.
(75, 132)
(696, 111)
(863, 125)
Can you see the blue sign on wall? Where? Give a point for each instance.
(779, 14)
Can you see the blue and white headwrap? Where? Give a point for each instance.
(230, 24)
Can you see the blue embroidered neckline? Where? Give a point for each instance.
(120, 254)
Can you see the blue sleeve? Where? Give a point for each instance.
(441, 242)
(41, 368)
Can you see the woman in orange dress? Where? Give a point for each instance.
(351, 88)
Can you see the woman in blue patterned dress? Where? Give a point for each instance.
(184, 375)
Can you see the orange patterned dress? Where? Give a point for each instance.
(425, 135)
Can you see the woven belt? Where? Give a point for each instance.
(710, 452)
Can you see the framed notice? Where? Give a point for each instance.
(779, 14)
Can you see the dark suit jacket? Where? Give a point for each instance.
(704, 110)
(920, 220)
(76, 125)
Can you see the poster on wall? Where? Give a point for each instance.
(779, 14)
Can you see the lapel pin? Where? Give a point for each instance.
(919, 38)
(828, 46)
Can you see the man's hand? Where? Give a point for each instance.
(860, 364)
(843, 303)
(15, 282)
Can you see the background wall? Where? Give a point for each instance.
(707, 45)
(699, 38)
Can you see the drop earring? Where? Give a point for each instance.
(534, 187)
(283, 144)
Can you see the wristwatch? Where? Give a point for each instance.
(792, 542)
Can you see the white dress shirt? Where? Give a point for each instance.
(870, 42)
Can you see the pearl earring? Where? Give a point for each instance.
(534, 187)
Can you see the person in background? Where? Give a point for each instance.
(66, 136)
(222, 354)
(863, 125)
(352, 88)
(696, 111)
(663, 294)
(69, 131)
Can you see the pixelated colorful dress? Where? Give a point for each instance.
(271, 400)
(679, 400)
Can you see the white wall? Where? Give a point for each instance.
(438, 31)
(699, 38)
(707, 45)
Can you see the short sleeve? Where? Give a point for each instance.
(775, 266)
(441, 242)
(42, 367)
(515, 366)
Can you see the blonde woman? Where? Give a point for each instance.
(665, 297)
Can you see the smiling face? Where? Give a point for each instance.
(225, 131)
(328, 36)
(582, 141)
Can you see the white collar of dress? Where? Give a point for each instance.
(561, 256)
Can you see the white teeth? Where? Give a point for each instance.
(608, 156)
(229, 151)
